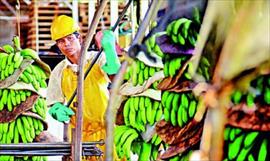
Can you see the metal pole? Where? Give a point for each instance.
(115, 99)
(79, 119)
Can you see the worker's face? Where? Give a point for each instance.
(70, 46)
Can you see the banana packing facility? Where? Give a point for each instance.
(134, 80)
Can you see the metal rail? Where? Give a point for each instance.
(49, 149)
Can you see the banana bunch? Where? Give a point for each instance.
(204, 68)
(35, 75)
(10, 98)
(139, 111)
(138, 72)
(152, 46)
(172, 66)
(123, 138)
(40, 107)
(183, 31)
(179, 108)
(9, 63)
(245, 145)
(23, 129)
(261, 86)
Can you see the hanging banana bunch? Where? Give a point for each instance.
(22, 97)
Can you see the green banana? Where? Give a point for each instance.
(18, 97)
(164, 96)
(158, 141)
(155, 152)
(10, 58)
(179, 116)
(232, 134)
(227, 133)
(127, 144)
(251, 157)
(9, 103)
(5, 96)
(149, 113)
(152, 41)
(181, 39)
(235, 145)
(267, 95)
(142, 65)
(184, 115)
(151, 71)
(145, 152)
(29, 53)
(236, 96)
(132, 117)
(119, 130)
(192, 108)
(142, 112)
(249, 139)
(263, 151)
(147, 44)
(8, 49)
(185, 28)
(125, 135)
(136, 103)
(126, 111)
(184, 100)
(25, 122)
(168, 103)
(16, 135)
(166, 69)
(173, 117)
(242, 154)
(146, 73)
(40, 125)
(170, 28)
(175, 102)
(13, 97)
(166, 114)
(250, 100)
(159, 113)
(4, 62)
(177, 24)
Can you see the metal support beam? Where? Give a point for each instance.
(91, 11)
(9, 7)
(79, 118)
(114, 15)
(75, 12)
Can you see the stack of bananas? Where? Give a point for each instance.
(139, 112)
(183, 32)
(259, 92)
(180, 108)
(142, 112)
(139, 72)
(21, 124)
(249, 144)
(245, 144)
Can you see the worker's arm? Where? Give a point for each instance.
(112, 64)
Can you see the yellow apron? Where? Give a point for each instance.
(95, 103)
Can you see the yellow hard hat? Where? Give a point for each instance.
(62, 26)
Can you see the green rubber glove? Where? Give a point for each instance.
(108, 44)
(60, 112)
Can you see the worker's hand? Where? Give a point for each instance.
(108, 44)
(60, 112)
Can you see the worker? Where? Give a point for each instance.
(63, 80)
